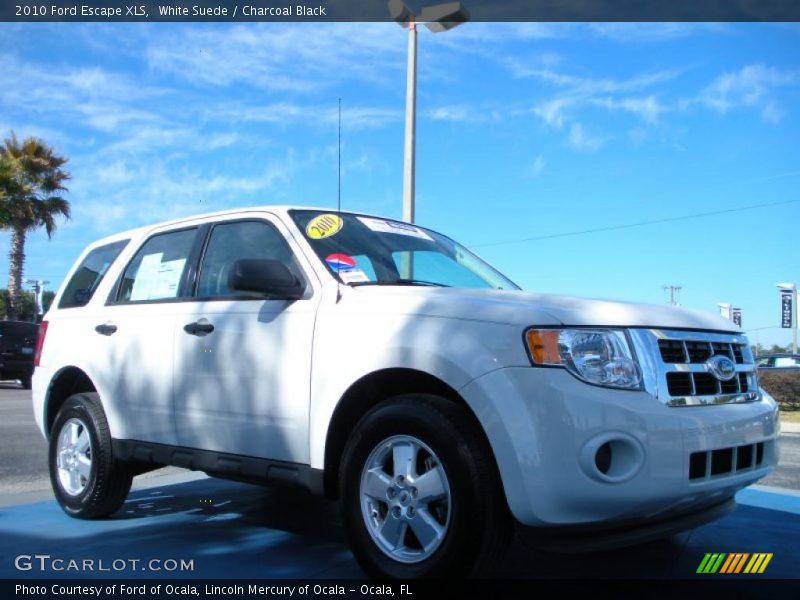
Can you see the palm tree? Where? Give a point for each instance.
(31, 180)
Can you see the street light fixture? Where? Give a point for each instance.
(437, 18)
(37, 286)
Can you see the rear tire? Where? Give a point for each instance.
(420, 492)
(88, 482)
(26, 382)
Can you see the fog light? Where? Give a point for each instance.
(602, 458)
(612, 457)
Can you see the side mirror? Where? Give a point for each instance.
(267, 277)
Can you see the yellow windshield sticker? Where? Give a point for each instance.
(323, 226)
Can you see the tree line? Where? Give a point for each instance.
(759, 350)
(32, 184)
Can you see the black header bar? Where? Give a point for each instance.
(377, 10)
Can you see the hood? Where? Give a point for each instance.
(525, 309)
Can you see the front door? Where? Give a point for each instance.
(243, 362)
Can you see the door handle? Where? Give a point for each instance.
(200, 328)
(106, 329)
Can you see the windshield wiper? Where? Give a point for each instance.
(401, 282)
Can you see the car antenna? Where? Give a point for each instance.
(339, 197)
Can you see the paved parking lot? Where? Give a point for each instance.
(235, 530)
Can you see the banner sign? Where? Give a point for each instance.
(786, 309)
(737, 317)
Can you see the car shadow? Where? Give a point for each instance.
(235, 530)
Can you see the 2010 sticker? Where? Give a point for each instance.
(340, 262)
(323, 226)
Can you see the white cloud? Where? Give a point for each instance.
(752, 86)
(126, 194)
(553, 112)
(298, 58)
(583, 141)
(577, 92)
(463, 113)
(453, 112)
(102, 100)
(590, 85)
(287, 113)
(222, 140)
(113, 174)
(772, 113)
(537, 166)
(648, 108)
(153, 140)
(651, 32)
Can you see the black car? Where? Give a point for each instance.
(17, 342)
(779, 361)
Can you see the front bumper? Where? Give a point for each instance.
(546, 428)
(592, 538)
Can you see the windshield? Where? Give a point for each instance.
(371, 251)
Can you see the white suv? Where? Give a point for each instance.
(385, 365)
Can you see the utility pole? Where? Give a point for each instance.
(672, 291)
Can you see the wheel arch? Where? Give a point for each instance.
(368, 391)
(66, 382)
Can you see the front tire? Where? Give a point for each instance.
(88, 482)
(420, 492)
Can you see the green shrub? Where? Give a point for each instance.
(784, 386)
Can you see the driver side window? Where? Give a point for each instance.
(230, 242)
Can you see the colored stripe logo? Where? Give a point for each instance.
(340, 262)
(734, 563)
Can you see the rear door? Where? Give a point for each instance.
(134, 337)
(243, 363)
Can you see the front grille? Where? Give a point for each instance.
(699, 352)
(678, 352)
(743, 382)
(725, 461)
(680, 384)
(672, 351)
(688, 379)
(738, 357)
(703, 384)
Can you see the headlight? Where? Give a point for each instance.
(598, 356)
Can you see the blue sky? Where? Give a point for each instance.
(525, 130)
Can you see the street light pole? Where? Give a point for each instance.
(409, 155)
(437, 18)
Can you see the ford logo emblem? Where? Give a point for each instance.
(721, 367)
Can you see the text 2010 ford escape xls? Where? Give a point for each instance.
(385, 365)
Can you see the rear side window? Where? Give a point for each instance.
(90, 273)
(155, 273)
